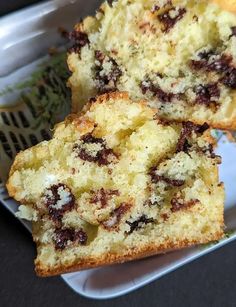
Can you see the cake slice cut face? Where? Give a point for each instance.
(179, 55)
(115, 184)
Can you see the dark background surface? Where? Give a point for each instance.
(209, 281)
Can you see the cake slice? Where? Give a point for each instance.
(179, 55)
(115, 184)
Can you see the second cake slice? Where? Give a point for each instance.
(179, 55)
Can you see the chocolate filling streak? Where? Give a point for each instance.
(156, 178)
(51, 197)
(116, 216)
(210, 61)
(229, 78)
(142, 220)
(62, 237)
(163, 96)
(104, 156)
(179, 204)
(103, 196)
(208, 94)
(186, 132)
(106, 81)
(171, 17)
(79, 40)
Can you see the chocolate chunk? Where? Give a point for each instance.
(116, 216)
(223, 66)
(163, 96)
(110, 2)
(209, 151)
(169, 21)
(142, 220)
(106, 81)
(198, 65)
(161, 121)
(124, 207)
(103, 156)
(79, 40)
(233, 29)
(90, 139)
(58, 199)
(220, 65)
(201, 128)
(156, 178)
(204, 57)
(211, 61)
(92, 99)
(195, 18)
(165, 216)
(186, 132)
(157, 91)
(64, 236)
(99, 56)
(81, 236)
(206, 54)
(146, 86)
(102, 196)
(179, 204)
(150, 203)
(207, 94)
(155, 8)
(229, 79)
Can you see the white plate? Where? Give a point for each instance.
(26, 35)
